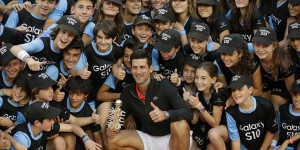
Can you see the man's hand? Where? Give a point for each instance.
(34, 65)
(157, 115)
(91, 145)
(175, 77)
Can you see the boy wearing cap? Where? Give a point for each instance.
(163, 19)
(288, 117)
(294, 9)
(31, 22)
(251, 123)
(35, 132)
(294, 49)
(199, 46)
(167, 57)
(47, 50)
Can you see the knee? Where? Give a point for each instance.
(180, 127)
(113, 143)
(213, 134)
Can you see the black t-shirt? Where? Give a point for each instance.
(39, 143)
(289, 124)
(208, 56)
(296, 60)
(167, 67)
(100, 64)
(12, 36)
(252, 127)
(34, 26)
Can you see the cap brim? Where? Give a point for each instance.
(116, 2)
(206, 2)
(52, 113)
(161, 18)
(144, 22)
(196, 35)
(293, 35)
(262, 40)
(163, 46)
(68, 28)
(236, 85)
(226, 50)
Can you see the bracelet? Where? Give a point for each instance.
(85, 138)
(291, 141)
(202, 110)
(199, 104)
(167, 114)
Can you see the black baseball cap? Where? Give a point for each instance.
(296, 87)
(192, 60)
(294, 2)
(199, 31)
(69, 23)
(40, 111)
(143, 19)
(207, 2)
(119, 2)
(163, 15)
(167, 39)
(265, 36)
(294, 30)
(239, 81)
(41, 80)
(5, 55)
(230, 43)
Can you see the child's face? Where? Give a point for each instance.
(205, 11)
(188, 74)
(143, 32)
(203, 80)
(168, 55)
(296, 44)
(126, 58)
(241, 3)
(161, 26)
(46, 6)
(157, 4)
(76, 99)
(4, 141)
(83, 10)
(18, 94)
(110, 8)
(133, 6)
(12, 68)
(63, 39)
(71, 57)
(103, 42)
(118, 70)
(232, 59)
(294, 10)
(46, 124)
(180, 6)
(296, 100)
(241, 95)
(263, 51)
(46, 94)
(197, 45)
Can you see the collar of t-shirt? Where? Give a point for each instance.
(139, 94)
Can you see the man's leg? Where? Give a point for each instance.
(126, 140)
(180, 135)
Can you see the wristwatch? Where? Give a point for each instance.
(167, 114)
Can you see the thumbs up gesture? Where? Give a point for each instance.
(59, 95)
(194, 101)
(85, 72)
(157, 115)
(174, 77)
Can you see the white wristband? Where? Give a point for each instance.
(23, 55)
(274, 143)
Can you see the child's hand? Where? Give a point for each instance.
(59, 95)
(175, 77)
(85, 73)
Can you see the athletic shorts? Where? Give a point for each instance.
(158, 142)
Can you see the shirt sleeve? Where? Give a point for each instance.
(20, 118)
(89, 29)
(155, 63)
(110, 81)
(12, 20)
(47, 32)
(52, 72)
(34, 46)
(81, 62)
(232, 128)
(59, 11)
(22, 138)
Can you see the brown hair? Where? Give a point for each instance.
(210, 68)
(108, 27)
(191, 8)
(282, 61)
